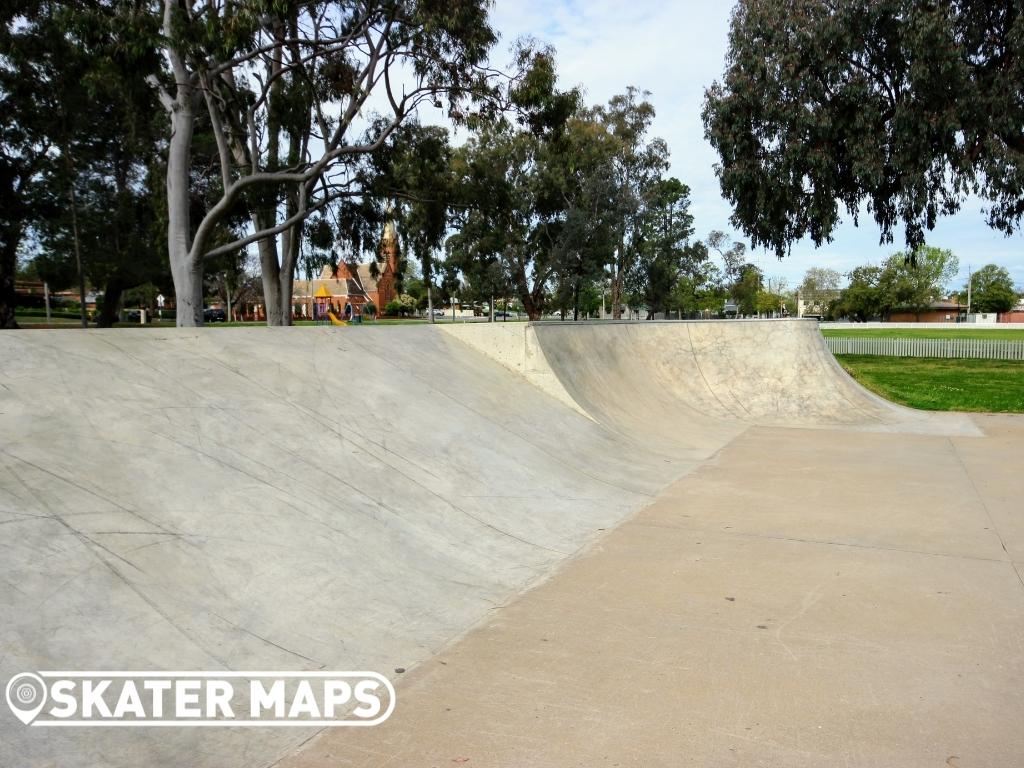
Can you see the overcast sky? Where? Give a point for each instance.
(675, 50)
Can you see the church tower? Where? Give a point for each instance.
(389, 268)
(389, 248)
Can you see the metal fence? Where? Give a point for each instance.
(986, 349)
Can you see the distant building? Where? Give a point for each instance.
(982, 318)
(945, 311)
(353, 284)
(1015, 315)
(815, 303)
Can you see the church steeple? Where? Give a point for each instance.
(389, 245)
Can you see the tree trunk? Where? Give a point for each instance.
(270, 269)
(285, 298)
(111, 301)
(292, 244)
(8, 266)
(186, 272)
(616, 292)
(188, 294)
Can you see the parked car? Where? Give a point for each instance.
(214, 315)
(438, 313)
(504, 314)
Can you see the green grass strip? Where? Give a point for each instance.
(939, 384)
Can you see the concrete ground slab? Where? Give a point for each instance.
(737, 622)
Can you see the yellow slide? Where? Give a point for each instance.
(335, 320)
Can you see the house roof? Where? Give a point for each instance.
(358, 275)
(368, 281)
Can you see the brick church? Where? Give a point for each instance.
(353, 284)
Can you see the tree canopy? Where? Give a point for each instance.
(898, 284)
(897, 107)
(992, 290)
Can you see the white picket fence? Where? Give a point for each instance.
(987, 349)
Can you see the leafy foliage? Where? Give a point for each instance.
(992, 290)
(900, 106)
(900, 283)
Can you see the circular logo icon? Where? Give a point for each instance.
(26, 696)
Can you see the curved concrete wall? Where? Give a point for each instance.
(683, 384)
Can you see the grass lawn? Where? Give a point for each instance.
(924, 333)
(938, 384)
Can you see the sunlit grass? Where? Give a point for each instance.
(959, 332)
(939, 384)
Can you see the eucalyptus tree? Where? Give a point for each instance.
(103, 189)
(78, 151)
(30, 46)
(901, 107)
(746, 288)
(285, 88)
(732, 253)
(665, 251)
(700, 289)
(516, 187)
(413, 173)
(586, 183)
(500, 231)
(639, 161)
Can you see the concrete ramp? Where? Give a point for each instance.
(683, 384)
(334, 498)
(259, 498)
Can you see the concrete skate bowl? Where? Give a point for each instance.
(306, 499)
(683, 386)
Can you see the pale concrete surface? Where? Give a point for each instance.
(771, 609)
(359, 498)
(676, 380)
(515, 346)
(274, 499)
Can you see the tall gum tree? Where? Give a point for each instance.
(243, 62)
(639, 161)
(899, 107)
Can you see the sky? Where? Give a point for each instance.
(675, 50)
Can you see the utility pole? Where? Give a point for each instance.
(46, 298)
(970, 282)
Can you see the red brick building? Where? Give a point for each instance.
(353, 284)
(951, 311)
